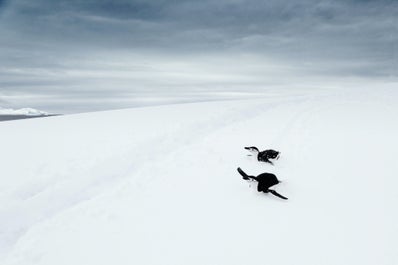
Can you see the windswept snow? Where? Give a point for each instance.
(158, 185)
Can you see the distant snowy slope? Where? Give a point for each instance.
(158, 185)
(23, 111)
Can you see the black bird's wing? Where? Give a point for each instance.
(277, 194)
(243, 174)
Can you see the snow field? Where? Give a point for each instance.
(159, 185)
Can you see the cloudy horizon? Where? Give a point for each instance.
(75, 56)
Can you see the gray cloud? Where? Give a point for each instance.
(80, 55)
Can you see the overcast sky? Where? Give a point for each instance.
(68, 56)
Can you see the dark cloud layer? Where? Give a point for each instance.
(79, 55)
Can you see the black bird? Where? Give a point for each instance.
(265, 181)
(265, 155)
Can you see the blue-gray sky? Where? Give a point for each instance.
(82, 55)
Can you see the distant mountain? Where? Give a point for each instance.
(23, 111)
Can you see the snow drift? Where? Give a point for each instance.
(158, 185)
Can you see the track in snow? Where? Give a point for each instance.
(159, 185)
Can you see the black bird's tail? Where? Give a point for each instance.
(277, 194)
(243, 174)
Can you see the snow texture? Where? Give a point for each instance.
(159, 185)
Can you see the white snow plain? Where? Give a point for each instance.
(158, 185)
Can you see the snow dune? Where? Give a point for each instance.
(158, 185)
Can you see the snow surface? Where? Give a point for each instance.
(158, 185)
(23, 111)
